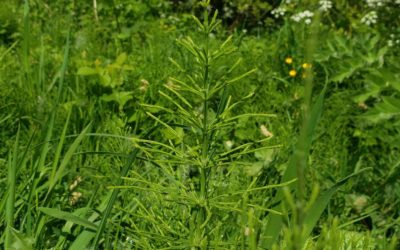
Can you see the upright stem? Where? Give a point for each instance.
(204, 152)
(205, 149)
(96, 17)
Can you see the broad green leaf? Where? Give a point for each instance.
(121, 59)
(121, 98)
(265, 155)
(253, 169)
(87, 71)
(21, 241)
(83, 240)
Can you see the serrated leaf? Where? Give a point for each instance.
(385, 110)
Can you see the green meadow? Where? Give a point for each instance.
(200, 124)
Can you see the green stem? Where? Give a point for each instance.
(205, 148)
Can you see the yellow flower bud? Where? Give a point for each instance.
(293, 73)
(289, 60)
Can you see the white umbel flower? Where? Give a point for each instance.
(279, 12)
(325, 5)
(375, 3)
(370, 18)
(305, 15)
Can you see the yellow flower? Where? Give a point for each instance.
(97, 62)
(293, 73)
(289, 60)
(306, 65)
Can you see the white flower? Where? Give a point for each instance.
(278, 12)
(228, 12)
(370, 18)
(229, 144)
(305, 15)
(375, 3)
(325, 5)
(265, 131)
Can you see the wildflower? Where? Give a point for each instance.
(325, 5)
(248, 231)
(289, 60)
(305, 15)
(75, 196)
(75, 183)
(306, 65)
(279, 12)
(362, 105)
(229, 144)
(144, 85)
(228, 12)
(171, 85)
(265, 131)
(370, 18)
(392, 41)
(97, 62)
(360, 202)
(292, 73)
(375, 3)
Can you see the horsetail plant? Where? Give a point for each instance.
(200, 190)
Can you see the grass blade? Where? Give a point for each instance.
(68, 217)
(300, 156)
(12, 169)
(68, 155)
(320, 204)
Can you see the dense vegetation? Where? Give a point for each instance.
(245, 124)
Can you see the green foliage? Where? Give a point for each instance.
(134, 125)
